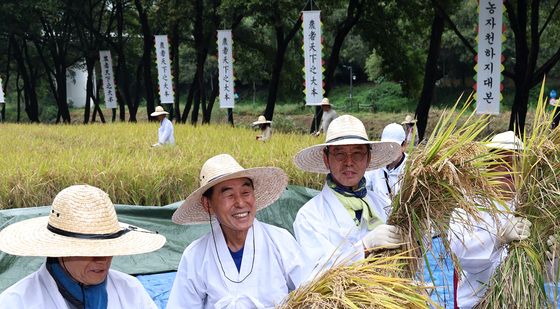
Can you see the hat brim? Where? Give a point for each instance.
(32, 238)
(159, 113)
(310, 159)
(256, 123)
(505, 146)
(411, 121)
(268, 182)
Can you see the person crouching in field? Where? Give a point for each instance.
(345, 221)
(241, 262)
(79, 238)
(165, 131)
(265, 127)
(480, 245)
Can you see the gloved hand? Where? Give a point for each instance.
(156, 145)
(517, 228)
(386, 236)
(553, 247)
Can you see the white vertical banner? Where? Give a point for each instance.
(1, 91)
(312, 53)
(164, 70)
(489, 59)
(108, 79)
(225, 69)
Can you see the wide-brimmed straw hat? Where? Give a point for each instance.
(506, 141)
(268, 184)
(346, 130)
(393, 132)
(82, 222)
(408, 119)
(159, 111)
(325, 101)
(261, 120)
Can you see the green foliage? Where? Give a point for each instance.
(389, 97)
(373, 67)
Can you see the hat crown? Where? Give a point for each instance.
(159, 109)
(325, 101)
(261, 119)
(84, 209)
(218, 166)
(393, 132)
(506, 140)
(346, 126)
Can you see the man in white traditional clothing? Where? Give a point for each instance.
(480, 245)
(79, 238)
(345, 221)
(329, 114)
(411, 130)
(165, 131)
(241, 262)
(387, 179)
(265, 127)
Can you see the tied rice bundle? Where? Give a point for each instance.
(519, 280)
(369, 283)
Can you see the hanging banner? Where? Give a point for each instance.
(489, 59)
(108, 79)
(164, 70)
(225, 69)
(1, 91)
(312, 52)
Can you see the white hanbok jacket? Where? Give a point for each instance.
(376, 180)
(478, 251)
(166, 133)
(279, 267)
(327, 233)
(39, 291)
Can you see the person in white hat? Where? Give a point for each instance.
(345, 220)
(329, 114)
(165, 131)
(241, 262)
(387, 179)
(79, 239)
(266, 130)
(409, 125)
(480, 245)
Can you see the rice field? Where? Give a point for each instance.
(37, 160)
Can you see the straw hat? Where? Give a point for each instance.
(82, 222)
(393, 132)
(346, 130)
(408, 119)
(268, 182)
(159, 111)
(261, 120)
(325, 101)
(507, 141)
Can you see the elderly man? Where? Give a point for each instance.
(241, 262)
(165, 131)
(79, 238)
(411, 130)
(329, 115)
(345, 221)
(387, 180)
(480, 245)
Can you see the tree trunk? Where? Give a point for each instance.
(430, 73)
(215, 89)
(90, 65)
(124, 96)
(175, 37)
(31, 102)
(147, 57)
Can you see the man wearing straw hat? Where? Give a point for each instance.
(266, 130)
(479, 245)
(165, 131)
(79, 238)
(241, 262)
(345, 220)
(409, 125)
(329, 115)
(387, 179)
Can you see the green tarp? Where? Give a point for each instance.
(156, 218)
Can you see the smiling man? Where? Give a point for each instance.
(241, 262)
(345, 221)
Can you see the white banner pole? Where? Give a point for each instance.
(108, 79)
(165, 78)
(312, 52)
(225, 69)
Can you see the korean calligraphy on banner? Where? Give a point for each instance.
(489, 59)
(313, 57)
(225, 69)
(108, 79)
(164, 70)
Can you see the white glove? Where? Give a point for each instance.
(517, 228)
(386, 236)
(156, 145)
(553, 247)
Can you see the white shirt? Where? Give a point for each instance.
(279, 267)
(265, 134)
(478, 251)
(386, 181)
(327, 233)
(328, 117)
(165, 132)
(39, 291)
